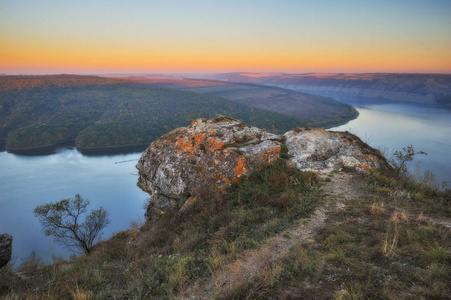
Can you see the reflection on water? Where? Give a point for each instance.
(394, 126)
(27, 181)
(107, 151)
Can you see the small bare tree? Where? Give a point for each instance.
(402, 157)
(63, 221)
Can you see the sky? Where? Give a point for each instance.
(195, 36)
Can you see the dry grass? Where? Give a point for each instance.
(390, 241)
(373, 249)
(78, 294)
(377, 208)
(381, 246)
(399, 216)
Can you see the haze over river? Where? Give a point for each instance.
(110, 181)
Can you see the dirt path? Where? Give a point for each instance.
(341, 188)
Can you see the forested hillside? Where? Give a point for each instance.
(309, 110)
(37, 111)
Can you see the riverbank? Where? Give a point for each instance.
(133, 148)
(88, 151)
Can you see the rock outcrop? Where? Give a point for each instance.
(220, 151)
(320, 150)
(5, 249)
(214, 152)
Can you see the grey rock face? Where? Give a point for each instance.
(212, 152)
(5, 249)
(215, 153)
(320, 150)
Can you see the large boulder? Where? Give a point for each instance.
(6, 242)
(214, 152)
(218, 152)
(321, 150)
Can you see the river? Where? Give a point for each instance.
(28, 181)
(110, 181)
(391, 127)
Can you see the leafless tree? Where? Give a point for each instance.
(63, 221)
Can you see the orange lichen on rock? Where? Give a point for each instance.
(370, 158)
(359, 164)
(199, 138)
(363, 166)
(239, 168)
(185, 144)
(271, 153)
(194, 141)
(225, 179)
(216, 144)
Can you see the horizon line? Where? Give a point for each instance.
(205, 73)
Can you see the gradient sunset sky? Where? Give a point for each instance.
(106, 36)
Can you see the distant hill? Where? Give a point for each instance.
(355, 88)
(20, 82)
(308, 110)
(40, 111)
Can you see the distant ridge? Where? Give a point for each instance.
(357, 87)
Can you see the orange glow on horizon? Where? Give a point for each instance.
(69, 57)
(223, 36)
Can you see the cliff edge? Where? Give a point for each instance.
(219, 151)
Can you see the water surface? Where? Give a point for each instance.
(394, 126)
(28, 181)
